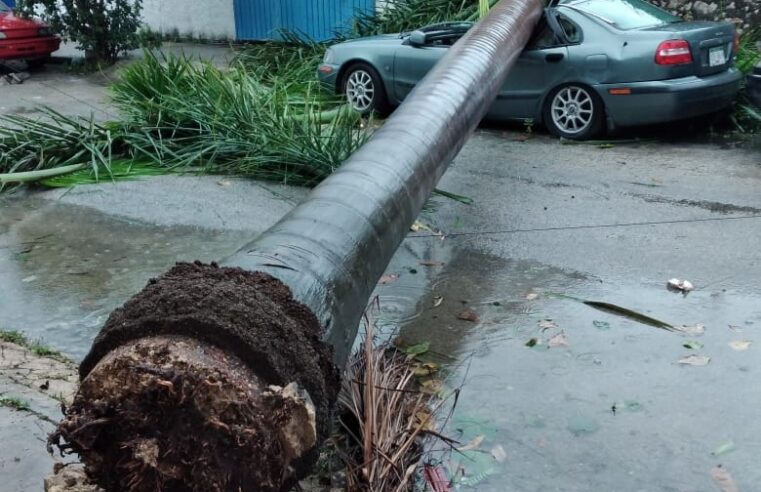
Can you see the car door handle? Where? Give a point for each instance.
(554, 57)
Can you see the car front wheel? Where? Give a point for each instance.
(364, 90)
(574, 112)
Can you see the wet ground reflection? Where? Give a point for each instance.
(65, 267)
(551, 408)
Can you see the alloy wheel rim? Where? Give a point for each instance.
(360, 90)
(572, 109)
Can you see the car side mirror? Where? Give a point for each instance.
(417, 38)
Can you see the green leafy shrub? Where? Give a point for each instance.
(102, 28)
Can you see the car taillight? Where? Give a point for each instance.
(736, 43)
(673, 52)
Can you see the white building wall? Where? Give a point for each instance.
(207, 19)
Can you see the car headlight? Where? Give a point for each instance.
(44, 31)
(329, 56)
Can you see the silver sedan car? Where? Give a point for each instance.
(591, 65)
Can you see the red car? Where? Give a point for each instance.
(23, 39)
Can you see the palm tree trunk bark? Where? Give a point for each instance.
(223, 377)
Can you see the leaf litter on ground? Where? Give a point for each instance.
(468, 315)
(724, 448)
(723, 479)
(695, 360)
(437, 300)
(740, 345)
(692, 345)
(558, 340)
(546, 324)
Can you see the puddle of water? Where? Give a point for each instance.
(551, 409)
(64, 268)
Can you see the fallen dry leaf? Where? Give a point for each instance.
(723, 479)
(558, 340)
(498, 453)
(224, 182)
(474, 443)
(437, 300)
(387, 279)
(695, 360)
(740, 345)
(424, 421)
(697, 329)
(418, 226)
(468, 315)
(546, 324)
(425, 369)
(431, 263)
(432, 386)
(531, 296)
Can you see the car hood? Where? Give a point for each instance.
(8, 21)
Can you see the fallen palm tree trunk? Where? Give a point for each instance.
(222, 378)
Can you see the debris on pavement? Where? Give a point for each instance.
(695, 360)
(437, 300)
(547, 324)
(692, 345)
(723, 479)
(387, 279)
(14, 78)
(740, 345)
(558, 340)
(696, 329)
(468, 315)
(680, 285)
(724, 448)
(628, 313)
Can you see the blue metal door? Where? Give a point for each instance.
(257, 20)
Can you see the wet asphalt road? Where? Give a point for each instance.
(549, 220)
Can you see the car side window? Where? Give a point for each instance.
(544, 37)
(572, 31)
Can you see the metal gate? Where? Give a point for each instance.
(319, 20)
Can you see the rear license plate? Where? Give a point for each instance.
(716, 56)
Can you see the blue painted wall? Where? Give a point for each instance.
(257, 20)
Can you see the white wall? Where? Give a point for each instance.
(205, 19)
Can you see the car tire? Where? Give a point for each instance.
(364, 90)
(574, 111)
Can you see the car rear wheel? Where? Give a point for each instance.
(574, 112)
(364, 90)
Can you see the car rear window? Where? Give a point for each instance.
(624, 14)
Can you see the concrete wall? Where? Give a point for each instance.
(207, 19)
(743, 13)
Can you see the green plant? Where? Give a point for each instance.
(102, 28)
(36, 346)
(149, 39)
(748, 53)
(14, 403)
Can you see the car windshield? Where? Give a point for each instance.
(624, 14)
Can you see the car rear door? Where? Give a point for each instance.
(543, 65)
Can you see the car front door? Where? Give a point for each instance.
(413, 62)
